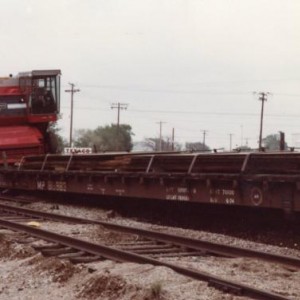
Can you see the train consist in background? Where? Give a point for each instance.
(29, 102)
(260, 180)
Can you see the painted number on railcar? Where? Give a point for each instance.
(59, 186)
(41, 185)
(177, 193)
(227, 196)
(90, 187)
(120, 192)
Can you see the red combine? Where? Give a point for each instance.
(29, 102)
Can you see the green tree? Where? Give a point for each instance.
(55, 141)
(272, 142)
(105, 138)
(198, 146)
(86, 138)
(166, 144)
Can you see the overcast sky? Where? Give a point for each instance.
(193, 64)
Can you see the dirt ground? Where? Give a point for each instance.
(26, 274)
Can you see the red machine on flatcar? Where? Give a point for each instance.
(29, 102)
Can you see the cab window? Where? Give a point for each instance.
(44, 98)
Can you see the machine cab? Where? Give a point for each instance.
(42, 90)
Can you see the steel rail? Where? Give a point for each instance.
(196, 244)
(125, 256)
(18, 200)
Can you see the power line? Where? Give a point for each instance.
(206, 84)
(171, 91)
(286, 95)
(195, 112)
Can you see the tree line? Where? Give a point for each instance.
(119, 138)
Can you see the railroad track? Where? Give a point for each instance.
(204, 247)
(151, 248)
(21, 200)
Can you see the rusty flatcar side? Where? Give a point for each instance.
(269, 180)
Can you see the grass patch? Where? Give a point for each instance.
(156, 290)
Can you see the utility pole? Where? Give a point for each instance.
(262, 98)
(173, 139)
(72, 91)
(230, 141)
(119, 106)
(281, 141)
(204, 134)
(160, 134)
(242, 130)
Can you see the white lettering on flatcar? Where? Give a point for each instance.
(227, 196)
(120, 192)
(170, 189)
(183, 198)
(215, 191)
(171, 197)
(213, 200)
(41, 185)
(60, 186)
(177, 193)
(90, 187)
(228, 192)
(229, 201)
(177, 197)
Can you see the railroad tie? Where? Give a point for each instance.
(76, 253)
(86, 259)
(58, 251)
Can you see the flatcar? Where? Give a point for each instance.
(29, 103)
(250, 180)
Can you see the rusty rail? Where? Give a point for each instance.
(123, 256)
(195, 244)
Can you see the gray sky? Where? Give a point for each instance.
(190, 63)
